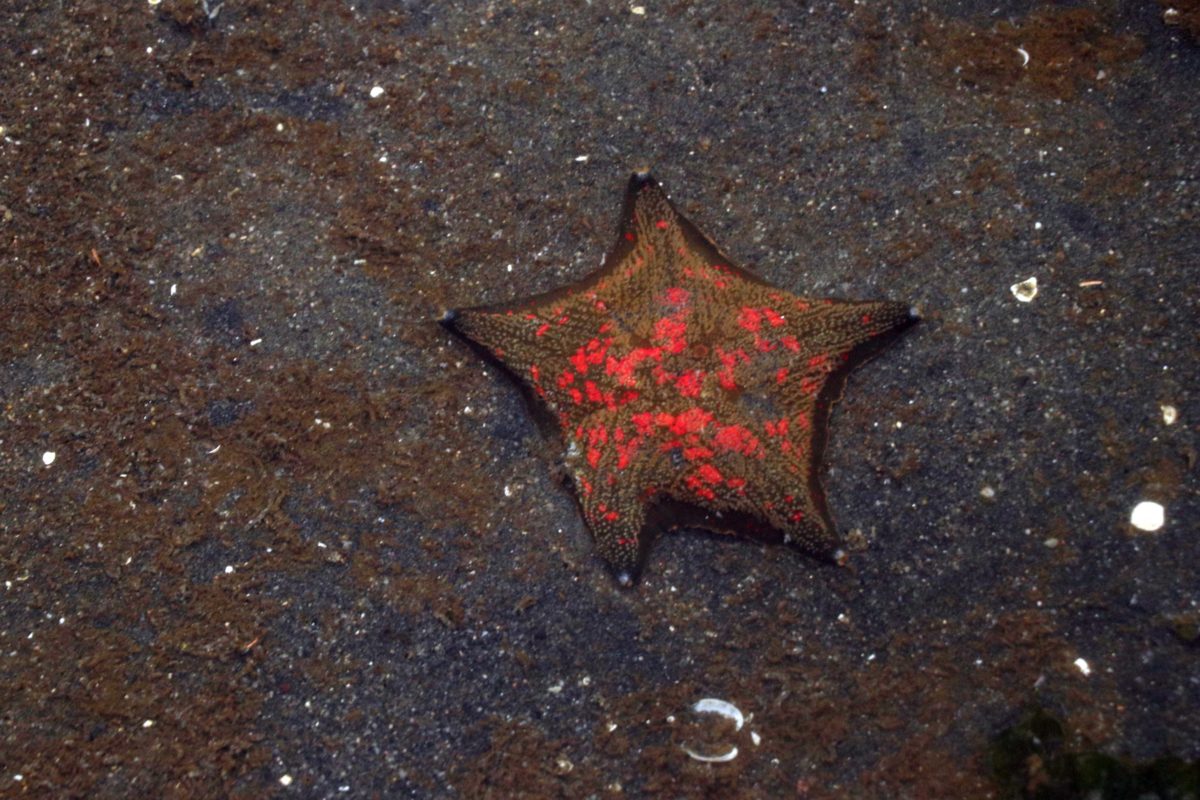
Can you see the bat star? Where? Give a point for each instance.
(689, 392)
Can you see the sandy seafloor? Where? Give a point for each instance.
(295, 540)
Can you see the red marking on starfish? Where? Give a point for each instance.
(750, 319)
(626, 450)
(696, 484)
(737, 439)
(671, 332)
(677, 296)
(689, 383)
(709, 474)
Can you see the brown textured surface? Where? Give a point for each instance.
(679, 377)
(302, 531)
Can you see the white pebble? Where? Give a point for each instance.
(376, 92)
(285, 780)
(1147, 516)
(1083, 666)
(48, 457)
(1026, 290)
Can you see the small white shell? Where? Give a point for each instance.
(1026, 290)
(711, 705)
(729, 755)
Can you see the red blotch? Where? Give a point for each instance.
(736, 438)
(689, 383)
(626, 450)
(692, 420)
(624, 366)
(671, 331)
(545, 326)
(696, 484)
(662, 224)
(709, 474)
(678, 296)
(781, 375)
(750, 319)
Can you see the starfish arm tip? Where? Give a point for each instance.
(640, 178)
(626, 578)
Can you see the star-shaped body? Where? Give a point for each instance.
(689, 391)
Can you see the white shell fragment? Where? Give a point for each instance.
(1147, 516)
(711, 705)
(728, 755)
(1082, 665)
(716, 753)
(1169, 414)
(1026, 290)
(48, 457)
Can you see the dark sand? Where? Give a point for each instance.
(298, 541)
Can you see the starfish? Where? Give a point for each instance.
(689, 392)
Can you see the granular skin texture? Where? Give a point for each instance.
(681, 380)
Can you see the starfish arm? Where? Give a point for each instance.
(842, 326)
(616, 517)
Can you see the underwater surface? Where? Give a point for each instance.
(268, 529)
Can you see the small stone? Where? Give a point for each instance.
(1147, 516)
(1026, 290)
